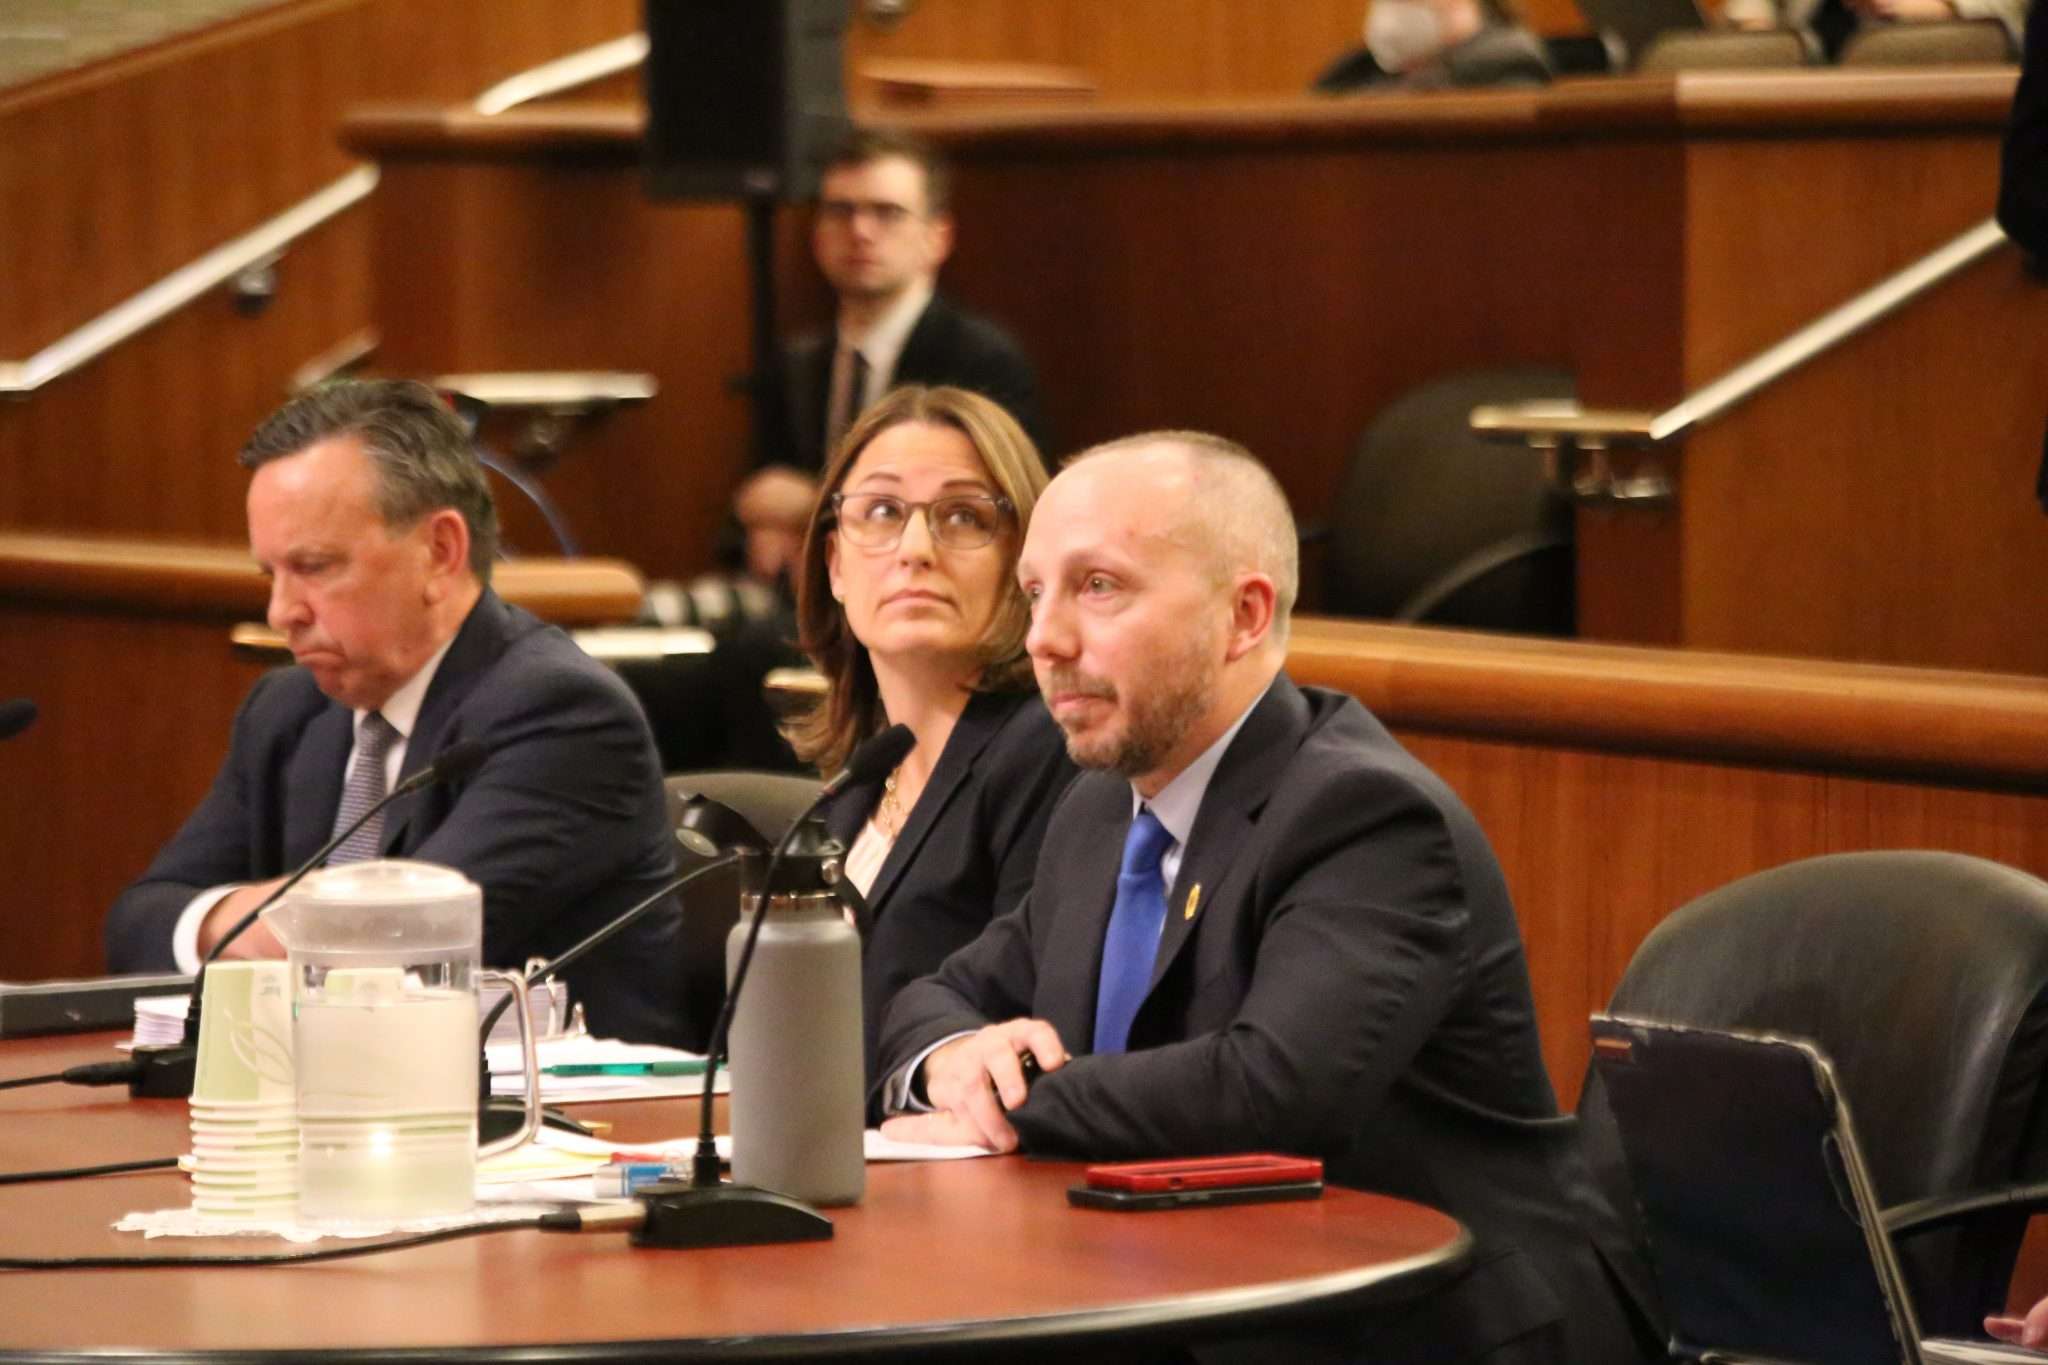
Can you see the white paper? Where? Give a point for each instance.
(582, 1050)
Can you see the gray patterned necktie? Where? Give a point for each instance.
(366, 787)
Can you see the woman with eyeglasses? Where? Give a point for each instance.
(907, 602)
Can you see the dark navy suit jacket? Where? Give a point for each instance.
(564, 826)
(1340, 976)
(968, 850)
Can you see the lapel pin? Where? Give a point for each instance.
(1194, 900)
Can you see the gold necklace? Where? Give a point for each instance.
(889, 815)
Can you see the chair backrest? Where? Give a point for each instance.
(1436, 526)
(1748, 1175)
(1730, 48)
(1924, 976)
(767, 801)
(711, 905)
(1946, 42)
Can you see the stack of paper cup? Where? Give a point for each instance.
(245, 1126)
(387, 1099)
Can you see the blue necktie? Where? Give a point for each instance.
(1132, 943)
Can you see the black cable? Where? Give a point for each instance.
(89, 1073)
(16, 1082)
(161, 1163)
(420, 1239)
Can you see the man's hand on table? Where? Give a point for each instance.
(973, 1082)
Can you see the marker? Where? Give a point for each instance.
(690, 1067)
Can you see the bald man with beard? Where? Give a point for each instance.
(1258, 924)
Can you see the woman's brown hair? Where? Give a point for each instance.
(852, 708)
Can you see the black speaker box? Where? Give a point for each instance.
(744, 97)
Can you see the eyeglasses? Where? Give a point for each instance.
(964, 521)
(840, 212)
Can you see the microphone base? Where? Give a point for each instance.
(165, 1072)
(684, 1216)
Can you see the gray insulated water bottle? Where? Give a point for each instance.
(798, 1075)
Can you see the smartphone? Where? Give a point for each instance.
(1204, 1173)
(1138, 1201)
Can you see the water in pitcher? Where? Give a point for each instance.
(387, 1097)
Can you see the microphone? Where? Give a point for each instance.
(15, 716)
(166, 1072)
(458, 762)
(625, 920)
(707, 1212)
(491, 1119)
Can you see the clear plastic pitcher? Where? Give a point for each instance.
(385, 961)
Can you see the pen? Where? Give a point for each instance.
(689, 1067)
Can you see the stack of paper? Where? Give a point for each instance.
(160, 1019)
(625, 1071)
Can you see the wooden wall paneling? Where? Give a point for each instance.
(1150, 49)
(1278, 272)
(135, 710)
(143, 440)
(1626, 350)
(457, 49)
(1897, 471)
(537, 265)
(1175, 285)
(1617, 784)
(117, 174)
(1599, 848)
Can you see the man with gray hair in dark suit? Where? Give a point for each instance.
(369, 514)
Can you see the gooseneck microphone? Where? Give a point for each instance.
(16, 715)
(492, 1119)
(458, 762)
(708, 1212)
(166, 1072)
(547, 970)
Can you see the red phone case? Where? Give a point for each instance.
(1204, 1173)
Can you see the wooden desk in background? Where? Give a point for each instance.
(1278, 271)
(968, 1259)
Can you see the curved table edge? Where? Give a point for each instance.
(1152, 1319)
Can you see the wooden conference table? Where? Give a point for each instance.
(980, 1258)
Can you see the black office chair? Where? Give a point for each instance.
(1924, 977)
(1435, 526)
(1780, 1254)
(764, 804)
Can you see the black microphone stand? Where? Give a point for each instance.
(495, 1121)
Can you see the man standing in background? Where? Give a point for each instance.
(882, 230)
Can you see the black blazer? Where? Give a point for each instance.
(949, 345)
(564, 825)
(967, 851)
(1341, 976)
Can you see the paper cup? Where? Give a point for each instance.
(245, 1036)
